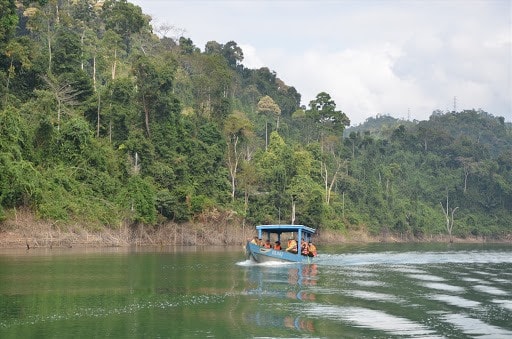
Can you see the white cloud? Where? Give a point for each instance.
(251, 58)
(371, 56)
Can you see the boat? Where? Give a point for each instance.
(261, 254)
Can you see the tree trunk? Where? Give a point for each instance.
(146, 115)
(449, 222)
(293, 212)
(233, 165)
(329, 185)
(266, 136)
(98, 117)
(49, 50)
(82, 46)
(114, 65)
(94, 73)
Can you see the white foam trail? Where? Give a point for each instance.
(415, 258)
(249, 263)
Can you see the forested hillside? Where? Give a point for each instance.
(106, 122)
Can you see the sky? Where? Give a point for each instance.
(394, 57)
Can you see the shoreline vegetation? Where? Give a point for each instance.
(25, 230)
(113, 135)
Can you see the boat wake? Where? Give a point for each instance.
(415, 258)
(249, 263)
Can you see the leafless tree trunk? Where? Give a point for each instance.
(98, 116)
(82, 36)
(467, 165)
(49, 49)
(146, 115)
(449, 219)
(233, 159)
(64, 93)
(114, 64)
(329, 182)
(293, 212)
(94, 72)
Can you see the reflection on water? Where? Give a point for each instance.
(285, 282)
(382, 291)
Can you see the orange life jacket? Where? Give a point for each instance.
(292, 245)
(304, 248)
(312, 250)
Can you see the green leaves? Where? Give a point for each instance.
(8, 19)
(140, 199)
(103, 121)
(124, 19)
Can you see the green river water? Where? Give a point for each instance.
(354, 291)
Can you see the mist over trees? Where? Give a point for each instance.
(103, 121)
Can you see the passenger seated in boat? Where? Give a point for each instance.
(311, 250)
(304, 247)
(292, 246)
(277, 245)
(255, 241)
(267, 244)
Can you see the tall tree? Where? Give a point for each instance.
(154, 80)
(43, 21)
(68, 52)
(268, 107)
(322, 111)
(233, 54)
(8, 19)
(124, 18)
(236, 129)
(18, 53)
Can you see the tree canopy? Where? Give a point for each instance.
(101, 120)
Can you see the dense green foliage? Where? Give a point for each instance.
(103, 121)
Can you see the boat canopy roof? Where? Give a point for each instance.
(285, 228)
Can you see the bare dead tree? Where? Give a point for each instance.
(330, 180)
(449, 218)
(233, 158)
(65, 95)
(163, 30)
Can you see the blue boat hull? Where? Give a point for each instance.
(260, 255)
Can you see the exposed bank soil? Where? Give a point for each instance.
(24, 230)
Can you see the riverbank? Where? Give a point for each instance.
(24, 230)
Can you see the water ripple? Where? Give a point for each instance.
(372, 319)
(101, 312)
(426, 277)
(476, 327)
(489, 289)
(375, 296)
(444, 287)
(416, 258)
(455, 300)
(507, 304)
